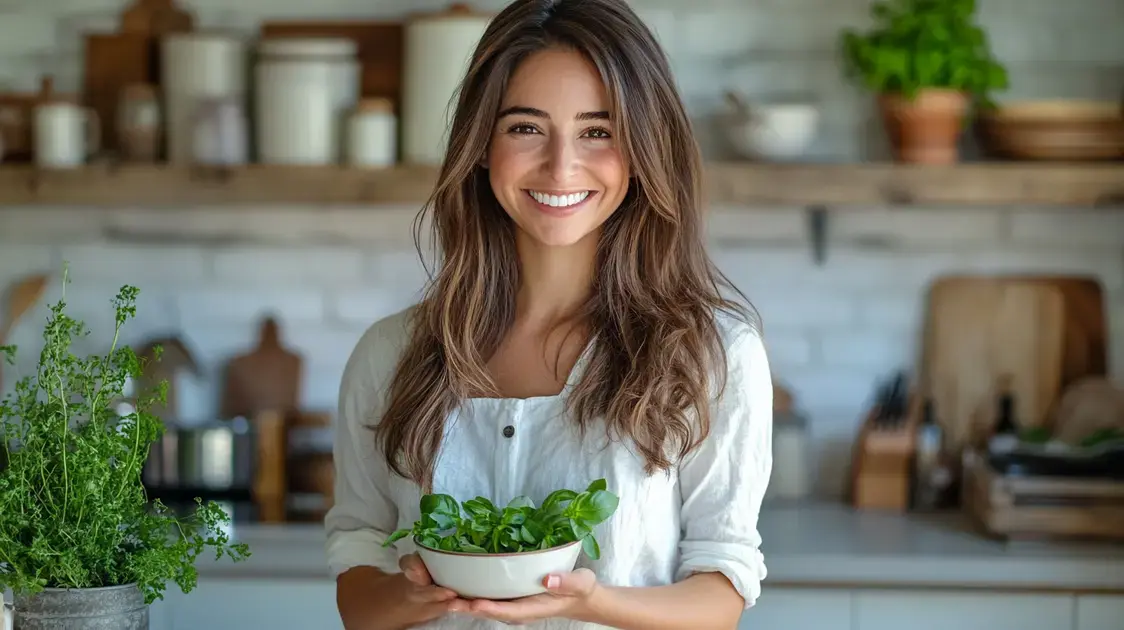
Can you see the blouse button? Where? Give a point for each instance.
(508, 431)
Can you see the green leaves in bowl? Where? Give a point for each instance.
(564, 517)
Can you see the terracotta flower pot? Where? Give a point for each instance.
(926, 129)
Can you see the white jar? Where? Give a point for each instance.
(66, 135)
(197, 66)
(372, 136)
(304, 88)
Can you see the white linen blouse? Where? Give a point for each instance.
(700, 517)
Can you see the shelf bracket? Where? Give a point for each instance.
(817, 232)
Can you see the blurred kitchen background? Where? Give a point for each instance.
(914, 349)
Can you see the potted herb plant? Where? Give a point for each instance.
(927, 60)
(493, 553)
(81, 545)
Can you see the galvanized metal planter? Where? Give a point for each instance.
(108, 608)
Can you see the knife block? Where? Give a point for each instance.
(882, 472)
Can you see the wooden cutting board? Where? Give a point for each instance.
(266, 379)
(1086, 329)
(155, 18)
(982, 334)
(114, 61)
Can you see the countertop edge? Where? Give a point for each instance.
(853, 551)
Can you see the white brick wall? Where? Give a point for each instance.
(832, 329)
(759, 47)
(328, 272)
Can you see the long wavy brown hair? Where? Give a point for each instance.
(656, 353)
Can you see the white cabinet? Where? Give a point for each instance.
(894, 610)
(240, 604)
(1100, 612)
(303, 604)
(799, 609)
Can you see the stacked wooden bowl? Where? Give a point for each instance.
(1054, 130)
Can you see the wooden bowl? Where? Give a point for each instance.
(1054, 130)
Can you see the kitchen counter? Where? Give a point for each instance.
(813, 545)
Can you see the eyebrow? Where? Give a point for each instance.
(538, 113)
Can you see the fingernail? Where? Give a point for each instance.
(553, 581)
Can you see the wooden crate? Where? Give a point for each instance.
(1032, 507)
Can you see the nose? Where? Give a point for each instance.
(561, 158)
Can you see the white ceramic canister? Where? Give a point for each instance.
(198, 67)
(220, 134)
(65, 134)
(438, 49)
(304, 88)
(372, 137)
(792, 462)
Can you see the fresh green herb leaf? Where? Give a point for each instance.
(591, 548)
(478, 526)
(918, 44)
(73, 508)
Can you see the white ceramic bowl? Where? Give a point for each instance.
(777, 131)
(498, 576)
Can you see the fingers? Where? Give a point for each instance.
(579, 582)
(414, 570)
(430, 595)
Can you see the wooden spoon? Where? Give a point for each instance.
(24, 295)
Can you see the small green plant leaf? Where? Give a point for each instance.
(478, 526)
(398, 535)
(439, 504)
(919, 44)
(591, 548)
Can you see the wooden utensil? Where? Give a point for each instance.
(981, 330)
(23, 296)
(1054, 130)
(155, 18)
(21, 299)
(266, 379)
(1086, 326)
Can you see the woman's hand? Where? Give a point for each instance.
(567, 596)
(435, 601)
(369, 599)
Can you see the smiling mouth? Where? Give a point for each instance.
(561, 201)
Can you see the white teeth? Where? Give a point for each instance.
(559, 201)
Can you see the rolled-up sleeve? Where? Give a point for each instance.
(723, 482)
(363, 514)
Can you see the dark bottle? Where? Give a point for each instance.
(1005, 437)
(930, 474)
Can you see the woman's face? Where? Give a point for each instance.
(554, 162)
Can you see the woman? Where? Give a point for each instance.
(575, 330)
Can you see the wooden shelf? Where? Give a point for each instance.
(728, 183)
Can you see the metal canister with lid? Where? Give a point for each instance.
(792, 475)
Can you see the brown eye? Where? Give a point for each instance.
(598, 133)
(522, 128)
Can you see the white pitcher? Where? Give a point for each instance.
(65, 135)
